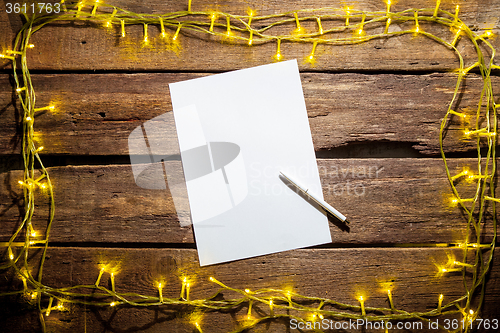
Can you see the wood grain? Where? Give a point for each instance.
(389, 201)
(97, 112)
(337, 274)
(83, 47)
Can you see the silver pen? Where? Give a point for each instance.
(317, 200)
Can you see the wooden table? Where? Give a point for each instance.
(374, 110)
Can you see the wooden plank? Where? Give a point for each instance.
(389, 201)
(77, 47)
(337, 274)
(96, 113)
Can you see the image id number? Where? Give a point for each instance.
(34, 8)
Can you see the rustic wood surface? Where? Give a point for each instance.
(80, 48)
(397, 201)
(374, 111)
(412, 272)
(96, 112)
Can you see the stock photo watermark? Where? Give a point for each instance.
(336, 181)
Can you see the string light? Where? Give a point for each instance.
(481, 132)
(177, 32)
(389, 295)
(229, 34)
(160, 291)
(47, 313)
(299, 30)
(3, 56)
(387, 24)
(438, 2)
(320, 27)
(417, 26)
(360, 32)
(457, 9)
(183, 287)
(278, 56)
(361, 300)
(457, 36)
(129, 19)
(213, 17)
(459, 114)
(251, 13)
(101, 272)
(310, 58)
(11, 254)
(122, 24)
(18, 90)
(455, 200)
(95, 7)
(112, 277)
(348, 13)
(464, 172)
(145, 40)
(79, 7)
(491, 199)
(108, 23)
(162, 27)
(388, 6)
(49, 108)
(488, 34)
(440, 302)
(198, 327)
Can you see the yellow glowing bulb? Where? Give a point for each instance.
(28, 118)
(30, 46)
(184, 280)
(247, 291)
(361, 299)
(444, 270)
(6, 56)
(488, 33)
(33, 233)
(471, 312)
(34, 295)
(11, 255)
(122, 24)
(211, 279)
(441, 297)
(112, 304)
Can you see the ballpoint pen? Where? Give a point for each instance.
(321, 203)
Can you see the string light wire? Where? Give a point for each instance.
(279, 301)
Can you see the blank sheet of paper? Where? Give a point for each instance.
(236, 132)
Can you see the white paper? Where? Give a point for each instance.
(236, 132)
